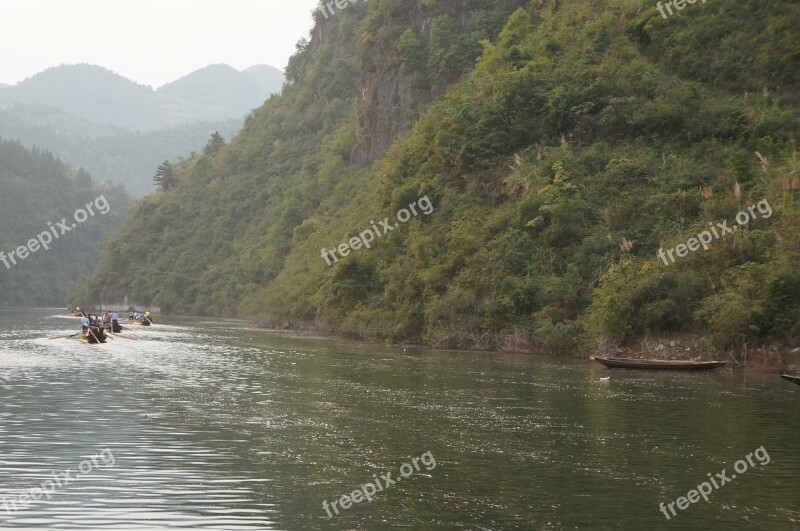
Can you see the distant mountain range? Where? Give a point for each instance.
(119, 130)
(109, 152)
(95, 94)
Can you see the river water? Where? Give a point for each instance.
(202, 424)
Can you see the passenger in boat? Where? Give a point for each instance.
(85, 322)
(106, 319)
(115, 322)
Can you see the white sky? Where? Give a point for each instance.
(151, 42)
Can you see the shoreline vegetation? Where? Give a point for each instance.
(562, 147)
(771, 359)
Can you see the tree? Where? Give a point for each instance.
(214, 144)
(166, 177)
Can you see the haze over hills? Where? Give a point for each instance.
(120, 130)
(219, 91)
(109, 152)
(99, 95)
(267, 77)
(38, 190)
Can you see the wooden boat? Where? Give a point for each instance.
(94, 337)
(116, 327)
(790, 378)
(137, 322)
(675, 365)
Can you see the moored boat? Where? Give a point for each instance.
(674, 365)
(790, 378)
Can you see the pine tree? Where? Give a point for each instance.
(166, 177)
(214, 144)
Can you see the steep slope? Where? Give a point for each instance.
(37, 193)
(580, 144)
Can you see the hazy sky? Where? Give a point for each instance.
(150, 41)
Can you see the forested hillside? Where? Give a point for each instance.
(109, 153)
(561, 145)
(37, 192)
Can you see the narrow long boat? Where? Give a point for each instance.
(137, 322)
(790, 378)
(94, 337)
(673, 365)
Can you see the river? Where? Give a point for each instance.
(208, 424)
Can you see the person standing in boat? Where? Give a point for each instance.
(85, 322)
(147, 316)
(115, 328)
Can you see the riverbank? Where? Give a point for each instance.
(769, 359)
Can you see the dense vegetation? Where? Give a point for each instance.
(37, 189)
(589, 135)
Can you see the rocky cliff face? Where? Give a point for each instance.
(391, 96)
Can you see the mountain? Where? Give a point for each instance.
(98, 95)
(108, 152)
(551, 153)
(120, 131)
(219, 91)
(268, 78)
(45, 202)
(92, 93)
(18, 118)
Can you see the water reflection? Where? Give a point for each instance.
(215, 425)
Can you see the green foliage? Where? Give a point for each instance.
(558, 166)
(166, 178)
(36, 192)
(214, 144)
